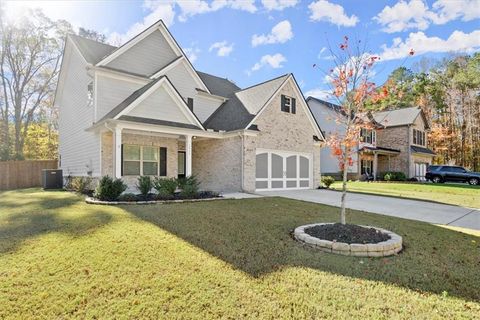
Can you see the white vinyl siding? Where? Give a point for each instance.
(79, 149)
(182, 80)
(204, 107)
(160, 105)
(111, 92)
(146, 57)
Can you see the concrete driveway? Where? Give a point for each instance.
(403, 208)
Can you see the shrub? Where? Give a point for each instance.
(80, 184)
(327, 181)
(144, 185)
(165, 187)
(109, 189)
(394, 176)
(189, 187)
(128, 197)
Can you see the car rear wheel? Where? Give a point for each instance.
(437, 179)
(473, 181)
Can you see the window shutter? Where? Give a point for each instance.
(282, 107)
(190, 103)
(163, 161)
(121, 161)
(294, 105)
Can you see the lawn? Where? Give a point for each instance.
(62, 258)
(456, 194)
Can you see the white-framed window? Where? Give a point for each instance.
(366, 167)
(288, 104)
(90, 93)
(419, 137)
(141, 160)
(368, 136)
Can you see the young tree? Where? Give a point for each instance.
(351, 86)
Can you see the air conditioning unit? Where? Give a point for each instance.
(52, 179)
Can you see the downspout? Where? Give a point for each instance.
(101, 144)
(409, 151)
(242, 137)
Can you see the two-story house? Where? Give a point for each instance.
(397, 141)
(143, 109)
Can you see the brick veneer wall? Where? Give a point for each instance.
(281, 131)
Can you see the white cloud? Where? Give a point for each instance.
(192, 53)
(280, 33)
(448, 10)
(159, 10)
(223, 48)
(278, 5)
(458, 41)
(416, 14)
(191, 8)
(274, 61)
(319, 93)
(322, 10)
(166, 10)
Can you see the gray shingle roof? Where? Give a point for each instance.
(159, 122)
(234, 114)
(93, 51)
(218, 86)
(422, 150)
(397, 117)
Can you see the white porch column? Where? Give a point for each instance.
(117, 145)
(375, 165)
(188, 155)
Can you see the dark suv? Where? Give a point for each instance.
(440, 174)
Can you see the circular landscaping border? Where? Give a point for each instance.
(381, 249)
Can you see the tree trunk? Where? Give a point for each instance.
(343, 219)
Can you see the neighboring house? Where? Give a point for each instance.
(398, 141)
(142, 109)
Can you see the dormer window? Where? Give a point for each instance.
(368, 136)
(90, 93)
(288, 104)
(419, 138)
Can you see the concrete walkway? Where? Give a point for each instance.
(403, 208)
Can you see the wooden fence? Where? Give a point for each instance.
(23, 174)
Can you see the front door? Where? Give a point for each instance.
(282, 170)
(181, 164)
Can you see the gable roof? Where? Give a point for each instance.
(93, 51)
(242, 105)
(255, 97)
(397, 117)
(142, 92)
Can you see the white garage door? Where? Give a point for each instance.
(282, 170)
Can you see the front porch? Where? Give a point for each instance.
(375, 160)
(130, 150)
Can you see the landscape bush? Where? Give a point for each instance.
(327, 181)
(82, 185)
(394, 176)
(165, 187)
(128, 197)
(144, 185)
(189, 187)
(109, 189)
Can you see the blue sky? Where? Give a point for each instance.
(252, 41)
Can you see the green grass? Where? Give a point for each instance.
(456, 194)
(62, 258)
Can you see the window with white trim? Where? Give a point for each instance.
(288, 104)
(141, 160)
(368, 136)
(419, 137)
(366, 167)
(90, 93)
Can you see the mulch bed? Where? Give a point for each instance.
(348, 233)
